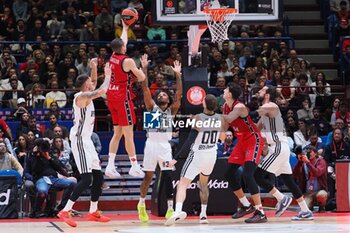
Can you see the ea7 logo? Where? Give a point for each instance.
(7, 197)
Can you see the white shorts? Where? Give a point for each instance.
(85, 155)
(199, 162)
(277, 160)
(157, 153)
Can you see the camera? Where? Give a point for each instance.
(42, 144)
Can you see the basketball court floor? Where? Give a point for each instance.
(128, 222)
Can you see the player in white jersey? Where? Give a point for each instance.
(202, 143)
(83, 149)
(277, 160)
(157, 148)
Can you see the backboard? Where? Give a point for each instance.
(189, 12)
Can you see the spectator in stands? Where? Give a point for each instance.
(343, 114)
(38, 30)
(302, 90)
(219, 87)
(7, 21)
(316, 142)
(56, 95)
(343, 16)
(339, 124)
(11, 97)
(59, 151)
(156, 33)
(23, 126)
(302, 136)
(21, 108)
(4, 138)
(275, 79)
(119, 30)
(247, 60)
(44, 172)
(55, 27)
(21, 149)
(35, 80)
(55, 111)
(49, 132)
(319, 123)
(286, 92)
(6, 84)
(311, 174)
(18, 31)
(57, 54)
(8, 161)
(225, 148)
(84, 67)
(293, 56)
(104, 18)
(306, 111)
(6, 128)
(71, 19)
(34, 127)
(20, 9)
(158, 84)
(333, 109)
(338, 149)
(36, 98)
(89, 33)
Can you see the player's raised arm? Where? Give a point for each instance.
(124, 35)
(93, 75)
(147, 97)
(177, 101)
(86, 97)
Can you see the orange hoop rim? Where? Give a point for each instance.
(219, 13)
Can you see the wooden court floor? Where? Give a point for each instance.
(128, 223)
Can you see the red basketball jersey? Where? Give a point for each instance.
(243, 128)
(120, 87)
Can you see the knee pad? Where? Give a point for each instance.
(97, 177)
(233, 178)
(248, 176)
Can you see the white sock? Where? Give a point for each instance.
(204, 209)
(260, 208)
(170, 204)
(303, 206)
(133, 160)
(244, 201)
(278, 195)
(111, 158)
(93, 206)
(69, 205)
(142, 201)
(178, 207)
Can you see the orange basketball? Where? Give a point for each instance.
(130, 16)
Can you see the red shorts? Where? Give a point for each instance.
(123, 113)
(247, 150)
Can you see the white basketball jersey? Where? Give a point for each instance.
(84, 120)
(274, 129)
(164, 133)
(208, 136)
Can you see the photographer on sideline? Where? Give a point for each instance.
(44, 171)
(311, 174)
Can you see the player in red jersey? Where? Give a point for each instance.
(120, 104)
(246, 153)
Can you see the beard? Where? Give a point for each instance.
(228, 140)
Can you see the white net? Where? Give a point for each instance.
(218, 21)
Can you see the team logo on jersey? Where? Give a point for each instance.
(195, 95)
(151, 120)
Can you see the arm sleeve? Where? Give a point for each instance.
(187, 145)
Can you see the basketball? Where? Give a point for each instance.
(130, 16)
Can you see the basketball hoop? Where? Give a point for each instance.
(218, 20)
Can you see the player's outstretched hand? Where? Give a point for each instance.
(125, 26)
(144, 60)
(93, 62)
(108, 70)
(177, 67)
